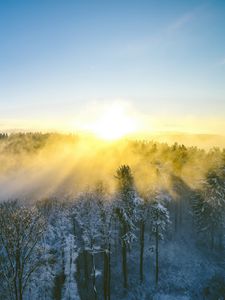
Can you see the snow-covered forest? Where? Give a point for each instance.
(83, 219)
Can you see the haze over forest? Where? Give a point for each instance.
(77, 211)
(112, 150)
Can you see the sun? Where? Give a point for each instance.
(113, 123)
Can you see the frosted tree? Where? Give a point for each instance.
(127, 212)
(21, 229)
(209, 208)
(87, 214)
(70, 286)
(159, 218)
(56, 277)
(142, 218)
(107, 235)
(43, 282)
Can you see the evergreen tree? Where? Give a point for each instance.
(127, 213)
(209, 209)
(159, 218)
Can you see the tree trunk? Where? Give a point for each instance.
(63, 255)
(180, 213)
(85, 267)
(20, 286)
(176, 216)
(212, 238)
(105, 283)
(15, 285)
(109, 273)
(94, 276)
(156, 256)
(124, 263)
(220, 240)
(124, 257)
(19, 295)
(107, 269)
(142, 239)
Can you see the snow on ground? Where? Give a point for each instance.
(70, 291)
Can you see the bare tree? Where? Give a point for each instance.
(21, 229)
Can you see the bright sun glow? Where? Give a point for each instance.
(113, 123)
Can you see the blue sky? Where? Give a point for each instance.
(166, 58)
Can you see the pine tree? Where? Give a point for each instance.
(143, 214)
(107, 238)
(127, 213)
(159, 218)
(209, 208)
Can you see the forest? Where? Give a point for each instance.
(131, 219)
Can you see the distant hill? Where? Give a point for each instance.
(200, 140)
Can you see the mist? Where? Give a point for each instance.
(34, 165)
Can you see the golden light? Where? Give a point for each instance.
(113, 123)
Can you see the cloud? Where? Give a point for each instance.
(139, 47)
(181, 22)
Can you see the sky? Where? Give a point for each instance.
(62, 60)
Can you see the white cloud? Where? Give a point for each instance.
(181, 22)
(138, 47)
